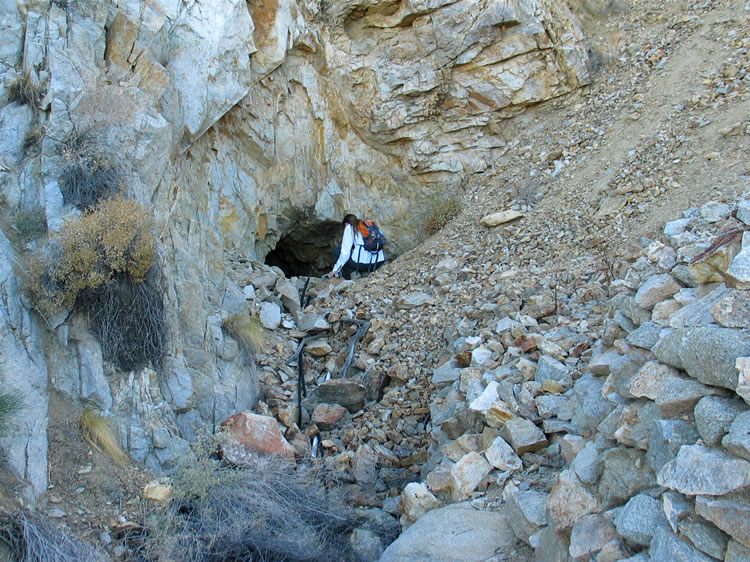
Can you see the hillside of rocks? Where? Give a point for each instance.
(564, 364)
(560, 373)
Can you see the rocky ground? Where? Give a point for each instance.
(664, 127)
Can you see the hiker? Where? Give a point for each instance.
(352, 255)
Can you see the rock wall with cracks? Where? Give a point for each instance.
(236, 121)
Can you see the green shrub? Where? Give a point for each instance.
(90, 169)
(26, 90)
(440, 210)
(10, 404)
(271, 511)
(29, 223)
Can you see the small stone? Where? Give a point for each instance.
(501, 456)
(466, 475)
(639, 519)
(527, 513)
(589, 535)
(523, 435)
(714, 415)
(569, 501)
(705, 537)
(737, 441)
(730, 513)
(416, 500)
(499, 218)
(656, 288)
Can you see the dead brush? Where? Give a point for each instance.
(270, 511)
(91, 168)
(26, 90)
(32, 537)
(98, 432)
(128, 320)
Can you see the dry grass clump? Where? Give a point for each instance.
(26, 90)
(33, 538)
(114, 239)
(248, 332)
(29, 223)
(91, 169)
(440, 210)
(271, 511)
(98, 432)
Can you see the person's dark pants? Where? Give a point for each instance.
(351, 266)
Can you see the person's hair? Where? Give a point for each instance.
(350, 219)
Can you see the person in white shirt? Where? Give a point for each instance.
(352, 255)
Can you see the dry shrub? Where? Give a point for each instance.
(98, 432)
(248, 332)
(440, 210)
(113, 240)
(33, 537)
(26, 90)
(271, 511)
(91, 169)
(104, 263)
(128, 319)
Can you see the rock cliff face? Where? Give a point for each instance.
(245, 127)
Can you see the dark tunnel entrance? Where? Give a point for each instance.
(307, 250)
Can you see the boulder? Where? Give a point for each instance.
(250, 435)
(455, 532)
(698, 470)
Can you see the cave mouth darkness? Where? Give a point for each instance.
(307, 249)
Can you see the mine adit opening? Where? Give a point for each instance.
(307, 249)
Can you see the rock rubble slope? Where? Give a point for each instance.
(581, 370)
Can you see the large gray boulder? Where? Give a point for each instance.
(454, 532)
(708, 354)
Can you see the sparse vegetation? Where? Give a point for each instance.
(98, 432)
(32, 537)
(29, 223)
(271, 511)
(26, 90)
(248, 332)
(440, 210)
(10, 404)
(31, 140)
(91, 169)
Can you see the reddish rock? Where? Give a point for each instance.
(251, 435)
(325, 416)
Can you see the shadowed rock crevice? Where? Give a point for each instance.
(306, 249)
